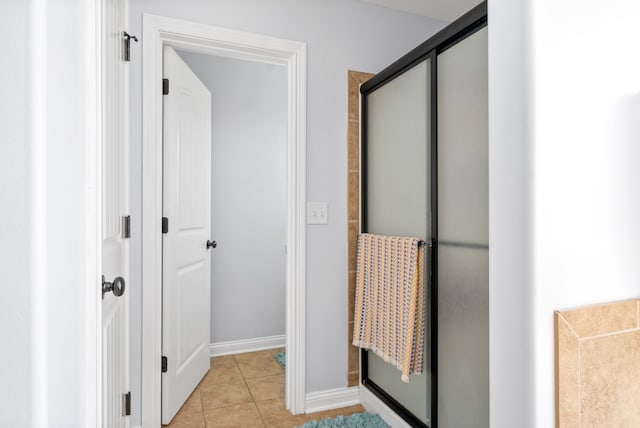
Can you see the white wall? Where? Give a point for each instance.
(65, 223)
(341, 35)
(249, 195)
(510, 230)
(564, 109)
(15, 170)
(43, 237)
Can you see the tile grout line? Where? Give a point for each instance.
(610, 334)
(244, 379)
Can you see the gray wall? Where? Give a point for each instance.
(248, 204)
(341, 35)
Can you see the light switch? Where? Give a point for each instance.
(317, 213)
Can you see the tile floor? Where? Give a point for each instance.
(244, 390)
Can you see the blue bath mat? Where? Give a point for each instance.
(357, 420)
(281, 357)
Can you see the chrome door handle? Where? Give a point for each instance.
(211, 244)
(117, 286)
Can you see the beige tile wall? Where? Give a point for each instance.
(355, 79)
(598, 366)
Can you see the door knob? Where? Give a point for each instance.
(211, 244)
(117, 286)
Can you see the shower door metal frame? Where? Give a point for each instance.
(465, 26)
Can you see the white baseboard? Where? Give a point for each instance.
(331, 399)
(373, 404)
(248, 345)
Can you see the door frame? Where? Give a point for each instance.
(93, 331)
(195, 37)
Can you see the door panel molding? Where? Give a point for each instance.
(157, 32)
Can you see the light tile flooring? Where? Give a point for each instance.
(244, 390)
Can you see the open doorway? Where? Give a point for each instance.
(246, 262)
(197, 38)
(248, 201)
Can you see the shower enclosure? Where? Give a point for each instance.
(425, 174)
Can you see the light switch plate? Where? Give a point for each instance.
(317, 213)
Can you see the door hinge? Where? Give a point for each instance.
(165, 225)
(126, 226)
(126, 408)
(126, 55)
(165, 86)
(165, 364)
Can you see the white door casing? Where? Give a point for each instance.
(186, 260)
(115, 206)
(160, 31)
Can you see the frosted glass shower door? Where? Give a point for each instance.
(463, 235)
(396, 190)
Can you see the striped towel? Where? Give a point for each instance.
(390, 307)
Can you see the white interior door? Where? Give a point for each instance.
(115, 208)
(186, 270)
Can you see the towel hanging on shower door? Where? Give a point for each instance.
(389, 304)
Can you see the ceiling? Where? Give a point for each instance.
(445, 10)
